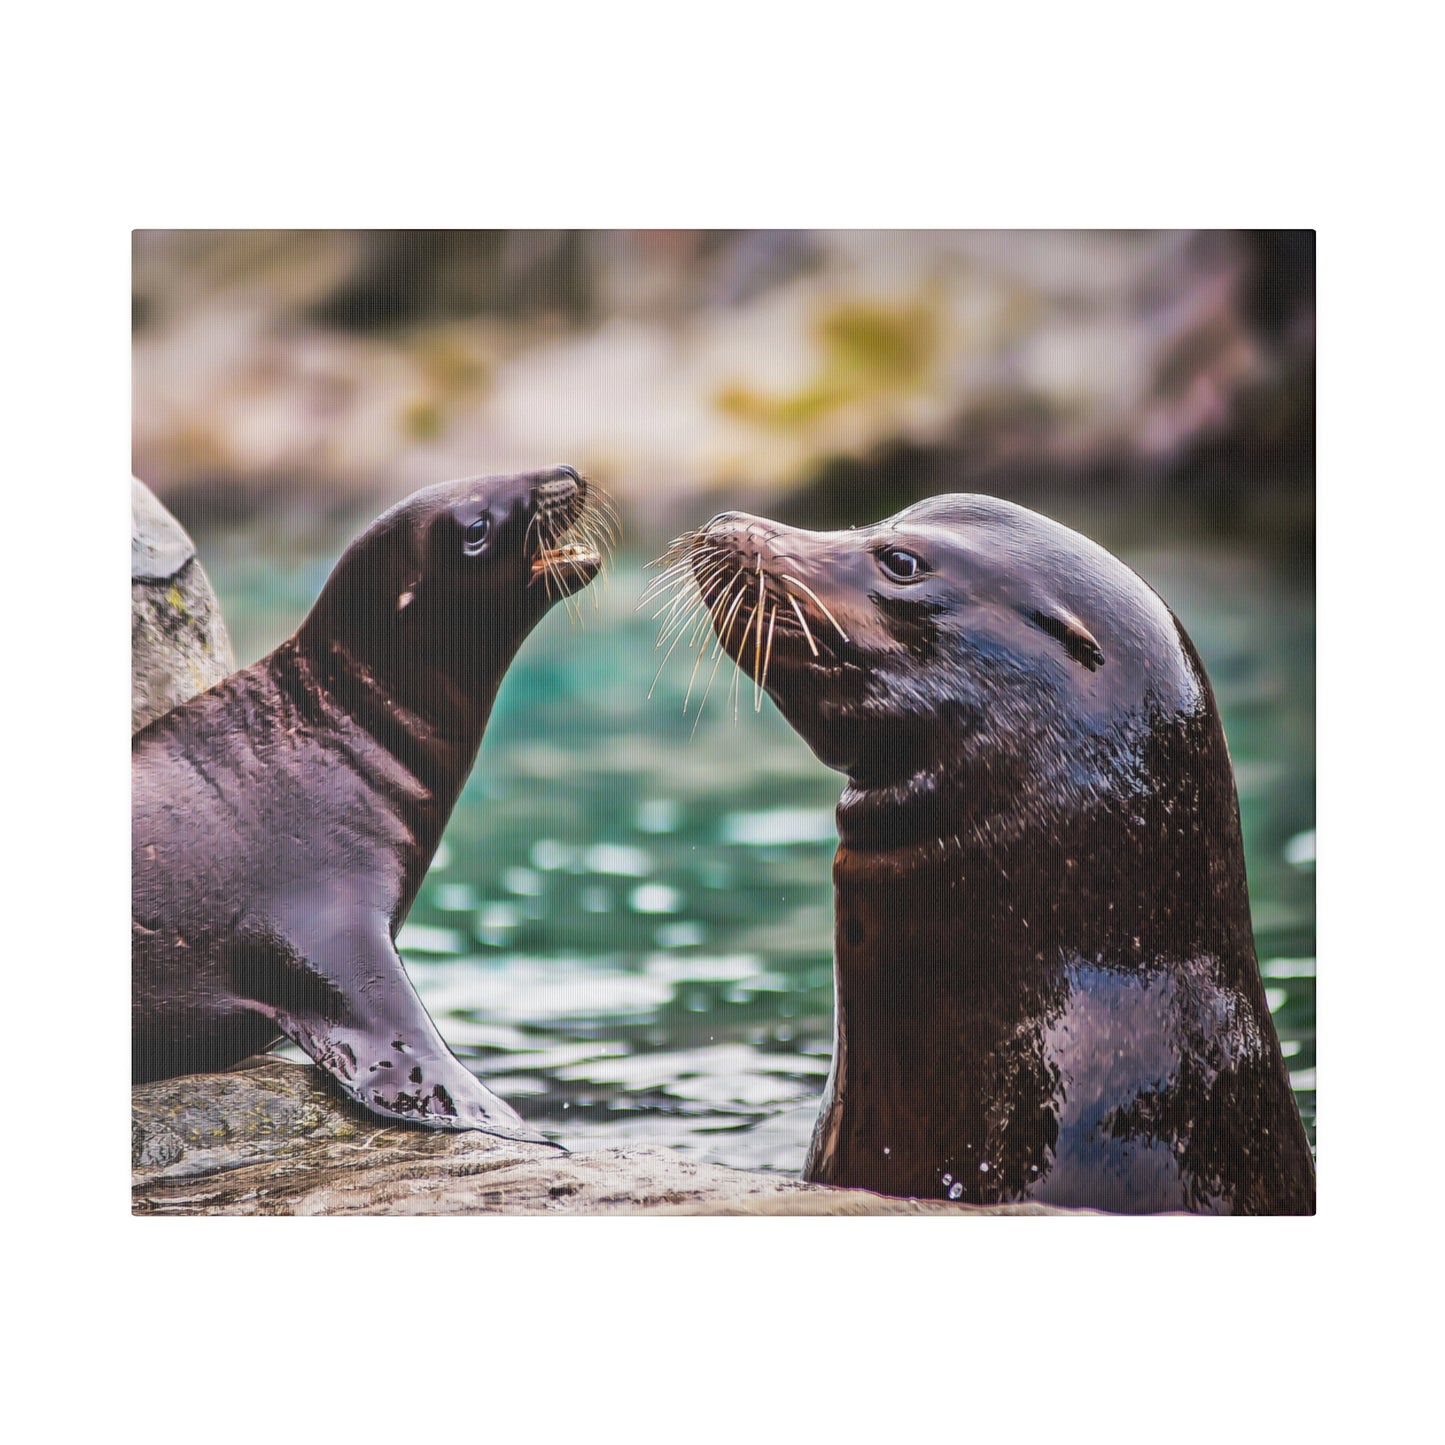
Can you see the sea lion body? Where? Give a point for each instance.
(283, 821)
(1046, 985)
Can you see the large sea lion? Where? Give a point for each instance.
(1046, 985)
(283, 821)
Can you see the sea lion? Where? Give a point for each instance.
(283, 821)
(1046, 984)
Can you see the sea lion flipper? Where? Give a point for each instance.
(378, 1041)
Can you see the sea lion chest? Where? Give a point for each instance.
(248, 808)
(977, 1058)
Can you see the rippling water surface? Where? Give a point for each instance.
(627, 930)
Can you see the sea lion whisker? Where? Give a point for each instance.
(716, 593)
(684, 606)
(553, 569)
(680, 601)
(601, 520)
(708, 589)
(807, 631)
(767, 658)
(678, 638)
(677, 587)
(710, 572)
(687, 606)
(678, 550)
(758, 638)
(734, 613)
(717, 662)
(722, 636)
(662, 585)
(592, 542)
(730, 617)
(735, 691)
(699, 627)
(682, 568)
(709, 616)
(602, 506)
(692, 676)
(724, 631)
(826, 613)
(678, 622)
(574, 610)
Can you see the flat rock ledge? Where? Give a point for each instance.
(273, 1137)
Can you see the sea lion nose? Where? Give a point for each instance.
(561, 484)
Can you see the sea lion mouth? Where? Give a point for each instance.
(576, 531)
(572, 565)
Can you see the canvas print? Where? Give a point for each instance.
(723, 722)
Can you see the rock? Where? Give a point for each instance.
(273, 1137)
(178, 641)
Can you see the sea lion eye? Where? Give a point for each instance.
(901, 565)
(475, 537)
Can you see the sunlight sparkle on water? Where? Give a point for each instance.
(423, 939)
(655, 898)
(1299, 852)
(549, 855)
(618, 860)
(779, 827)
(658, 815)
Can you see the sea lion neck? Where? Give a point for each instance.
(437, 663)
(918, 817)
(1049, 1013)
(412, 702)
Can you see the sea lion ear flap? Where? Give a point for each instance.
(1078, 641)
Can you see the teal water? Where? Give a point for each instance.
(628, 928)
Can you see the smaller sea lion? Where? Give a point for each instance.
(283, 821)
(1045, 979)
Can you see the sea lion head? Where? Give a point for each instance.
(965, 646)
(452, 578)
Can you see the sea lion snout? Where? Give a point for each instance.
(785, 574)
(572, 523)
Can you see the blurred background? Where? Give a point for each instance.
(628, 927)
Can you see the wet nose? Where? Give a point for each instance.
(561, 484)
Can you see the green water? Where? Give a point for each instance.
(628, 928)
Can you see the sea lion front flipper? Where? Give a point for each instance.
(351, 1007)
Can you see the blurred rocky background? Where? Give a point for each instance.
(830, 374)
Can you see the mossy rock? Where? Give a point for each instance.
(178, 642)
